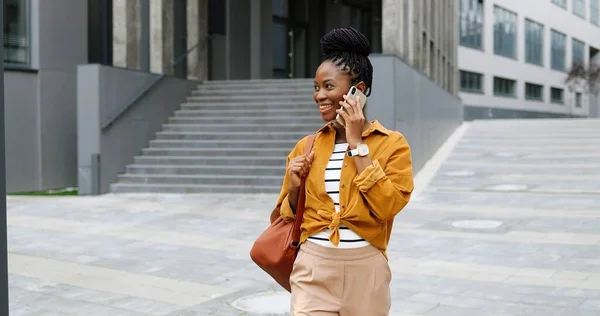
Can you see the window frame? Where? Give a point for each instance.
(562, 94)
(28, 64)
(515, 54)
(481, 82)
(481, 26)
(529, 21)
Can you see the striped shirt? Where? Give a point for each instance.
(348, 238)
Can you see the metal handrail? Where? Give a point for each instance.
(115, 115)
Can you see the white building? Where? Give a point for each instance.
(514, 56)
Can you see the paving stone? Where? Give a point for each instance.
(542, 260)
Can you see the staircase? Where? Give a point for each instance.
(229, 137)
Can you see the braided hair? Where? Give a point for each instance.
(349, 49)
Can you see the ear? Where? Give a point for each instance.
(361, 86)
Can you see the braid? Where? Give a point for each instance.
(349, 49)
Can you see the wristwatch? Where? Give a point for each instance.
(361, 150)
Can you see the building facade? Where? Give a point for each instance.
(260, 39)
(514, 57)
(46, 41)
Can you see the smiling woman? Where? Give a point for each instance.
(358, 177)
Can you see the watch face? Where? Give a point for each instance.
(363, 150)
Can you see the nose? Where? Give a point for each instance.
(320, 95)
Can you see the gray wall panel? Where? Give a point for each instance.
(110, 89)
(22, 131)
(405, 100)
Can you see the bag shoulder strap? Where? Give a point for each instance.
(301, 197)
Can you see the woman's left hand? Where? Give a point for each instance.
(354, 118)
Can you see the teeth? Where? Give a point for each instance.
(324, 106)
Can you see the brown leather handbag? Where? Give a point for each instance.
(276, 248)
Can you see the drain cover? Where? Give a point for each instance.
(264, 303)
(477, 224)
(508, 187)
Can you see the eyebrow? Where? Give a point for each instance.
(326, 80)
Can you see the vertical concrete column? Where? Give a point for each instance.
(197, 32)
(126, 33)
(161, 35)
(392, 32)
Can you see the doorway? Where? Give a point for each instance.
(299, 24)
(290, 38)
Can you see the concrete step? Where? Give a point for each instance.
(124, 188)
(211, 144)
(264, 91)
(247, 97)
(242, 112)
(214, 160)
(208, 179)
(216, 151)
(256, 138)
(258, 82)
(243, 127)
(206, 170)
(252, 120)
(267, 105)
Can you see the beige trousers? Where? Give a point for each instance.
(345, 282)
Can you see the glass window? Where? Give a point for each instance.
(471, 82)
(505, 32)
(471, 23)
(560, 3)
(579, 8)
(578, 51)
(534, 91)
(534, 42)
(16, 32)
(578, 101)
(504, 87)
(557, 95)
(558, 50)
(594, 12)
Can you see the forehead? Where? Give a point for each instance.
(329, 71)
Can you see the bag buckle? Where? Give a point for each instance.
(294, 244)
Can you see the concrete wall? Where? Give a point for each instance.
(406, 100)
(103, 89)
(486, 62)
(22, 131)
(40, 102)
(56, 57)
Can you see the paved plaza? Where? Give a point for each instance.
(505, 221)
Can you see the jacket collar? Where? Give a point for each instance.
(375, 126)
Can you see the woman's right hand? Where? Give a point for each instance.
(298, 168)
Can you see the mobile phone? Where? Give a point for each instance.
(356, 94)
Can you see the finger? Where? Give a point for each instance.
(343, 114)
(351, 102)
(346, 107)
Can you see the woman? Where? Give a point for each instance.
(358, 177)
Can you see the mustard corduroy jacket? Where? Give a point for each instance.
(368, 201)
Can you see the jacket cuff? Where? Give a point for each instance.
(371, 175)
(286, 210)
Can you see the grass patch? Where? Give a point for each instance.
(59, 192)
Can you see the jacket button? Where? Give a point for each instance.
(343, 185)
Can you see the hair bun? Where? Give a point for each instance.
(345, 40)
